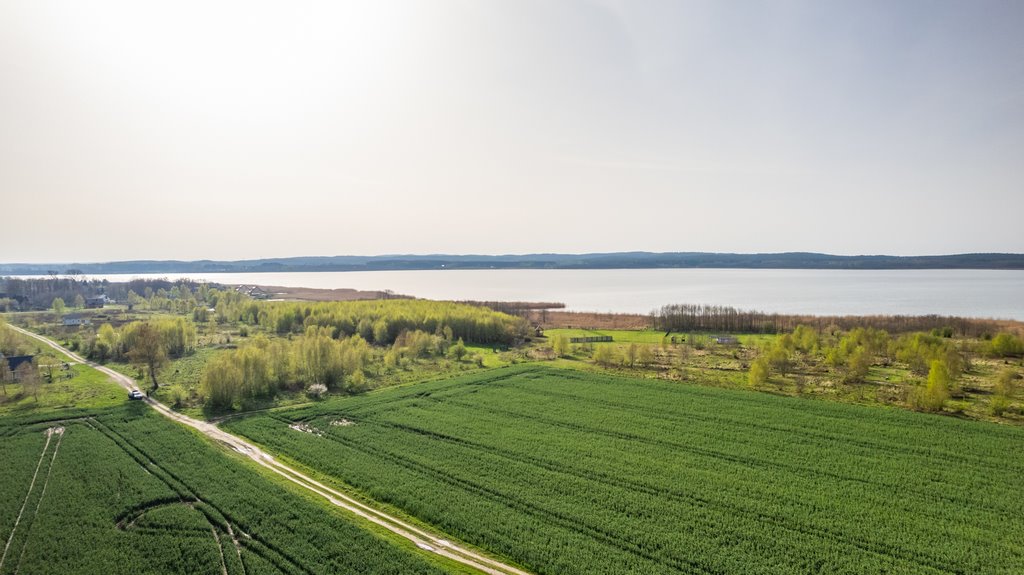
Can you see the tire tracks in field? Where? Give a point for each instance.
(562, 520)
(59, 431)
(185, 494)
(931, 454)
(820, 533)
(781, 521)
(426, 541)
(670, 418)
(745, 460)
(31, 486)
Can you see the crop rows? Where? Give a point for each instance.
(134, 493)
(567, 472)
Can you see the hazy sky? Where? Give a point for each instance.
(263, 129)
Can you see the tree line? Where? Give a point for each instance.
(314, 361)
(23, 294)
(381, 322)
(699, 317)
(148, 344)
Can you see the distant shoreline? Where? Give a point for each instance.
(618, 260)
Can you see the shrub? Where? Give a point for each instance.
(316, 391)
(759, 372)
(1006, 345)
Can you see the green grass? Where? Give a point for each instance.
(619, 336)
(86, 388)
(572, 472)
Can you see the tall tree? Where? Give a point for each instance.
(47, 363)
(28, 376)
(58, 305)
(646, 355)
(6, 376)
(759, 372)
(148, 351)
(631, 353)
(937, 389)
(561, 345)
(458, 351)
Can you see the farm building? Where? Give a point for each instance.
(255, 292)
(590, 339)
(76, 319)
(15, 362)
(95, 301)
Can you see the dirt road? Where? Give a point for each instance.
(428, 542)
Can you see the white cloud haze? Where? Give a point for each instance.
(229, 130)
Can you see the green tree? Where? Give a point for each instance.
(6, 376)
(1002, 391)
(631, 353)
(805, 338)
(936, 392)
(58, 305)
(458, 351)
(780, 358)
(317, 358)
(47, 363)
(759, 372)
(79, 301)
(148, 350)
(561, 345)
(221, 382)
(357, 381)
(605, 354)
(1006, 345)
(28, 376)
(646, 355)
(380, 332)
(857, 365)
(1006, 383)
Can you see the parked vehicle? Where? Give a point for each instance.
(136, 394)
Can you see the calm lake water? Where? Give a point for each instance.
(974, 293)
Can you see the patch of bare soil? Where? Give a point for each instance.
(305, 429)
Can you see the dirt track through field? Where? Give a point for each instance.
(424, 540)
(59, 431)
(28, 494)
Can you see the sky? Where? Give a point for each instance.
(237, 130)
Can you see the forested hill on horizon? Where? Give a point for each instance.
(617, 260)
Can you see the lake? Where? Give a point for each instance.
(973, 293)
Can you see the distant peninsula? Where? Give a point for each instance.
(617, 260)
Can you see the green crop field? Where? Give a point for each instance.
(123, 490)
(571, 472)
